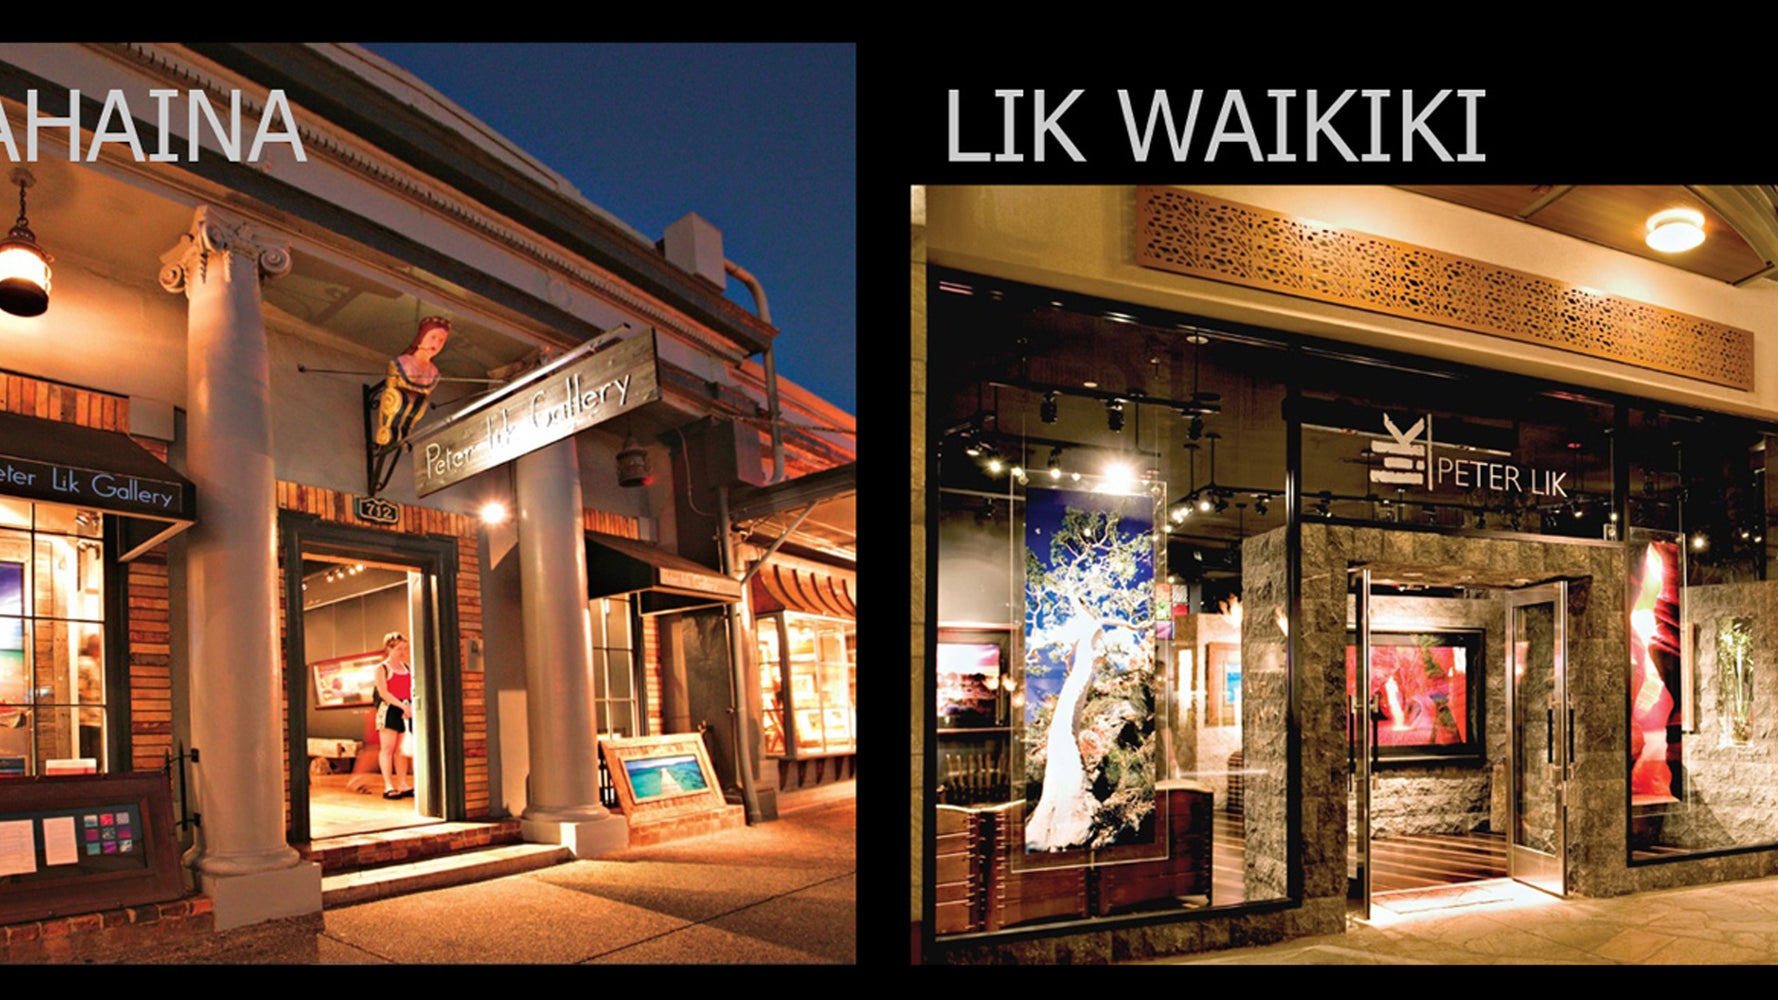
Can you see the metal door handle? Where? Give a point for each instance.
(1570, 761)
(1351, 743)
(1549, 735)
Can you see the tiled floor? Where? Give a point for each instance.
(1504, 923)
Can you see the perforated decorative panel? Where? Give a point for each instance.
(1205, 237)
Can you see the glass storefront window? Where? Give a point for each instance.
(1401, 445)
(771, 688)
(807, 687)
(1702, 651)
(614, 666)
(53, 698)
(1112, 608)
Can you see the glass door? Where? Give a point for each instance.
(1538, 751)
(1360, 747)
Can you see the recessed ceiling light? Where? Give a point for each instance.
(1675, 230)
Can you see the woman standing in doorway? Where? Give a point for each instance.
(395, 712)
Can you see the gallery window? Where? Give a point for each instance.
(808, 683)
(53, 697)
(1703, 693)
(1111, 682)
(614, 665)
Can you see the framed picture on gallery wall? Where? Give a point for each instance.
(1222, 683)
(347, 681)
(1426, 695)
(973, 670)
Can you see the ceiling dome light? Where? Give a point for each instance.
(24, 266)
(1675, 230)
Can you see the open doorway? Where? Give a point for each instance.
(364, 776)
(1459, 751)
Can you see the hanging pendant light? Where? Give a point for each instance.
(24, 266)
(632, 464)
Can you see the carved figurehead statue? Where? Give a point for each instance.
(410, 380)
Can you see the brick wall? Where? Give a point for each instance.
(336, 506)
(123, 934)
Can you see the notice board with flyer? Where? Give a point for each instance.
(85, 843)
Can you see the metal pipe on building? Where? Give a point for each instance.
(737, 643)
(771, 366)
(738, 669)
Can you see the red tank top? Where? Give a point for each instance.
(401, 685)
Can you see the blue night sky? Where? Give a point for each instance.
(759, 139)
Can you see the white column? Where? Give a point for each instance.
(241, 857)
(562, 806)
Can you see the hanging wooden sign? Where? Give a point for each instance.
(583, 388)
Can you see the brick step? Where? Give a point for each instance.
(350, 853)
(365, 884)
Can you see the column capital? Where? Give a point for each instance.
(216, 244)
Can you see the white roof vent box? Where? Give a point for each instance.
(693, 244)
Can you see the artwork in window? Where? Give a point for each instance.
(1734, 667)
(1087, 729)
(969, 684)
(14, 685)
(1655, 711)
(1425, 694)
(1222, 661)
(12, 588)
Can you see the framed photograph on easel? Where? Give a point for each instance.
(653, 774)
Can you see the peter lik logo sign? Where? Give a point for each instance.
(109, 491)
(584, 388)
(1408, 461)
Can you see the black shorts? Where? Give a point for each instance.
(390, 716)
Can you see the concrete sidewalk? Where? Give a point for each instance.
(779, 892)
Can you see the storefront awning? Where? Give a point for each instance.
(100, 470)
(816, 514)
(662, 581)
(780, 588)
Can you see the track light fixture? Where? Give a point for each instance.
(1195, 429)
(1259, 504)
(1048, 408)
(1114, 415)
(1055, 463)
